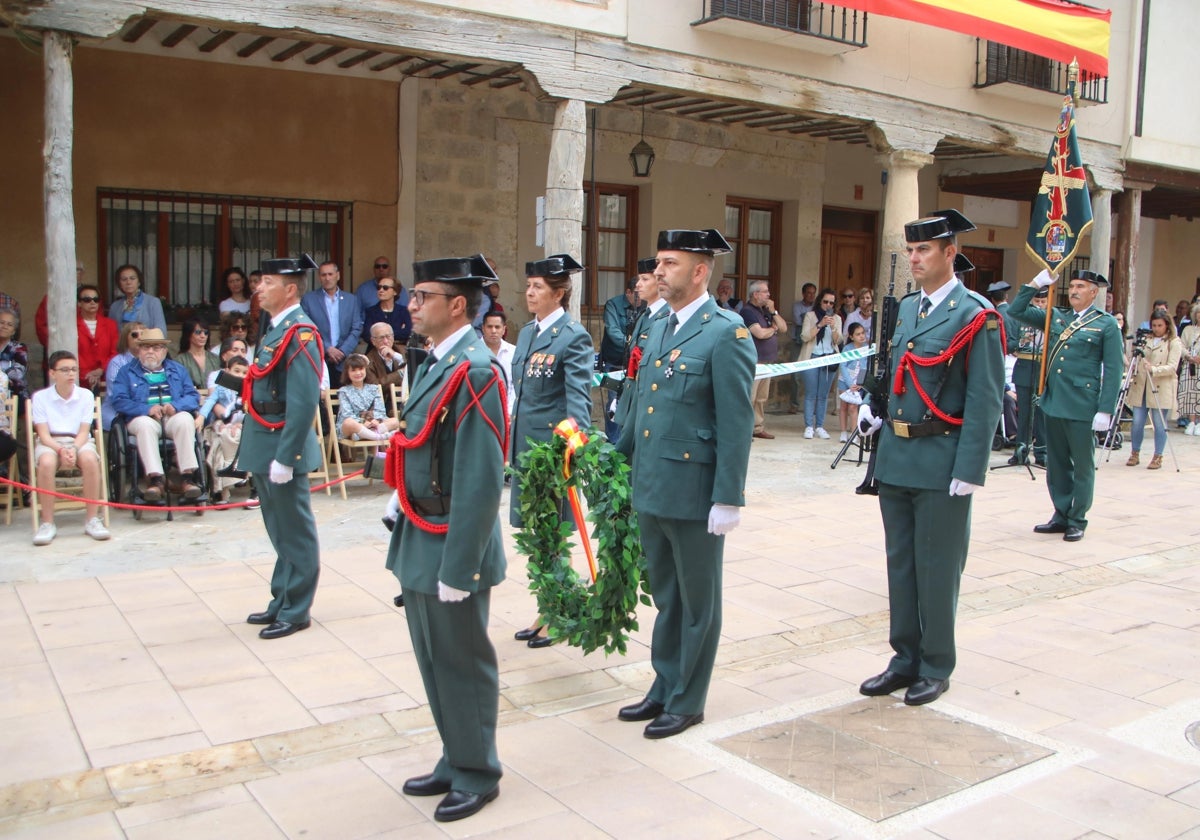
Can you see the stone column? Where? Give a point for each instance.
(564, 186)
(1129, 221)
(1101, 230)
(59, 213)
(901, 204)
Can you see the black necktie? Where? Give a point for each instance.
(926, 304)
(672, 324)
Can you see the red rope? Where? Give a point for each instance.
(964, 338)
(255, 373)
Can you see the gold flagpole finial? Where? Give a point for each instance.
(1073, 71)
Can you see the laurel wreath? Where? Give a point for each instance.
(586, 615)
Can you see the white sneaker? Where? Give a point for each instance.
(821, 433)
(1190, 430)
(95, 529)
(46, 533)
(808, 432)
(843, 437)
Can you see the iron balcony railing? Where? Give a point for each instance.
(996, 63)
(822, 20)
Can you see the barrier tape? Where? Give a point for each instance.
(768, 371)
(172, 508)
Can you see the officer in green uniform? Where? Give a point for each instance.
(653, 308)
(447, 464)
(1031, 434)
(279, 446)
(1084, 367)
(933, 454)
(689, 432)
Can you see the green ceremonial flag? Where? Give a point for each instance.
(1062, 211)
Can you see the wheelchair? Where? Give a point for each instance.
(125, 472)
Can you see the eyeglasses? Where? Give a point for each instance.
(382, 265)
(238, 328)
(387, 288)
(848, 295)
(828, 302)
(418, 297)
(65, 370)
(199, 331)
(89, 299)
(383, 336)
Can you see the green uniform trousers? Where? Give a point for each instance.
(288, 517)
(683, 561)
(1070, 469)
(462, 681)
(926, 534)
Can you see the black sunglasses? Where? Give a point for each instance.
(88, 299)
(850, 295)
(382, 265)
(387, 288)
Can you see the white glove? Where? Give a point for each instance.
(723, 518)
(1044, 279)
(279, 473)
(1101, 422)
(450, 595)
(393, 506)
(962, 488)
(868, 423)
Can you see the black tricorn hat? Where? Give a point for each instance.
(709, 241)
(937, 225)
(553, 266)
(998, 286)
(289, 265)
(1042, 293)
(1091, 277)
(453, 270)
(962, 265)
(647, 265)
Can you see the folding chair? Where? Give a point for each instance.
(322, 472)
(69, 481)
(9, 495)
(337, 442)
(398, 395)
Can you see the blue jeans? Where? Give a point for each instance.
(817, 382)
(1158, 416)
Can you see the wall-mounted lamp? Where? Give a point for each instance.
(641, 156)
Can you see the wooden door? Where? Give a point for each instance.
(847, 259)
(989, 267)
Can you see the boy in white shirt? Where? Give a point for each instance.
(62, 420)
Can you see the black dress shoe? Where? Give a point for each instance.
(279, 629)
(925, 690)
(426, 786)
(459, 804)
(667, 724)
(1051, 527)
(528, 633)
(399, 600)
(232, 471)
(885, 683)
(1073, 534)
(646, 710)
(389, 522)
(260, 618)
(541, 642)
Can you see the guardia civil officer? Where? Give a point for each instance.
(1084, 366)
(933, 454)
(688, 433)
(446, 549)
(279, 445)
(552, 375)
(653, 307)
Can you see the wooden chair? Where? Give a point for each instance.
(337, 442)
(69, 481)
(398, 394)
(322, 472)
(9, 495)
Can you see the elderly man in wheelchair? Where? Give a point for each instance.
(155, 397)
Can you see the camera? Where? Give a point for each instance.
(1139, 341)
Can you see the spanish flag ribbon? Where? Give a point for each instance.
(575, 437)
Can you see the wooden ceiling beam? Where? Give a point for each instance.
(355, 60)
(323, 55)
(254, 46)
(217, 40)
(178, 34)
(477, 78)
(292, 51)
(139, 29)
(453, 71)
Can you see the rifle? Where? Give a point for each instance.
(879, 375)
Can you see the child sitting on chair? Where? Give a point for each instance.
(222, 412)
(361, 413)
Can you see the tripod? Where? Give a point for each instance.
(1020, 456)
(1154, 405)
(1112, 438)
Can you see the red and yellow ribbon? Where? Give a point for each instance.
(575, 437)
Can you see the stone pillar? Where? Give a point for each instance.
(408, 98)
(901, 204)
(1101, 230)
(564, 186)
(1129, 221)
(59, 213)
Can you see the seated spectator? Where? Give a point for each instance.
(14, 357)
(193, 352)
(126, 353)
(237, 325)
(385, 362)
(97, 338)
(229, 348)
(235, 292)
(851, 375)
(156, 396)
(361, 414)
(8, 444)
(725, 298)
(220, 423)
(135, 304)
(389, 312)
(7, 301)
(62, 417)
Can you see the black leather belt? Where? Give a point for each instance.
(272, 407)
(432, 505)
(919, 430)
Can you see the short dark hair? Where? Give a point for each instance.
(236, 360)
(57, 356)
(496, 314)
(808, 286)
(857, 325)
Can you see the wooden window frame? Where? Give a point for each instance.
(736, 269)
(592, 190)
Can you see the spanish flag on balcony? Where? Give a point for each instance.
(1062, 209)
(1054, 29)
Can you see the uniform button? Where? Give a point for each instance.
(899, 411)
(1059, 370)
(910, 345)
(650, 410)
(687, 455)
(297, 457)
(646, 433)
(658, 362)
(475, 576)
(654, 387)
(683, 367)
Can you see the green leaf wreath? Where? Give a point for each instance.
(587, 615)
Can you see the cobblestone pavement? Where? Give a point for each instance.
(137, 703)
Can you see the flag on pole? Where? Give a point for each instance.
(1056, 29)
(1062, 210)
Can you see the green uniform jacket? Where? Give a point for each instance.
(690, 423)
(641, 332)
(973, 390)
(1083, 373)
(296, 384)
(470, 555)
(552, 375)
